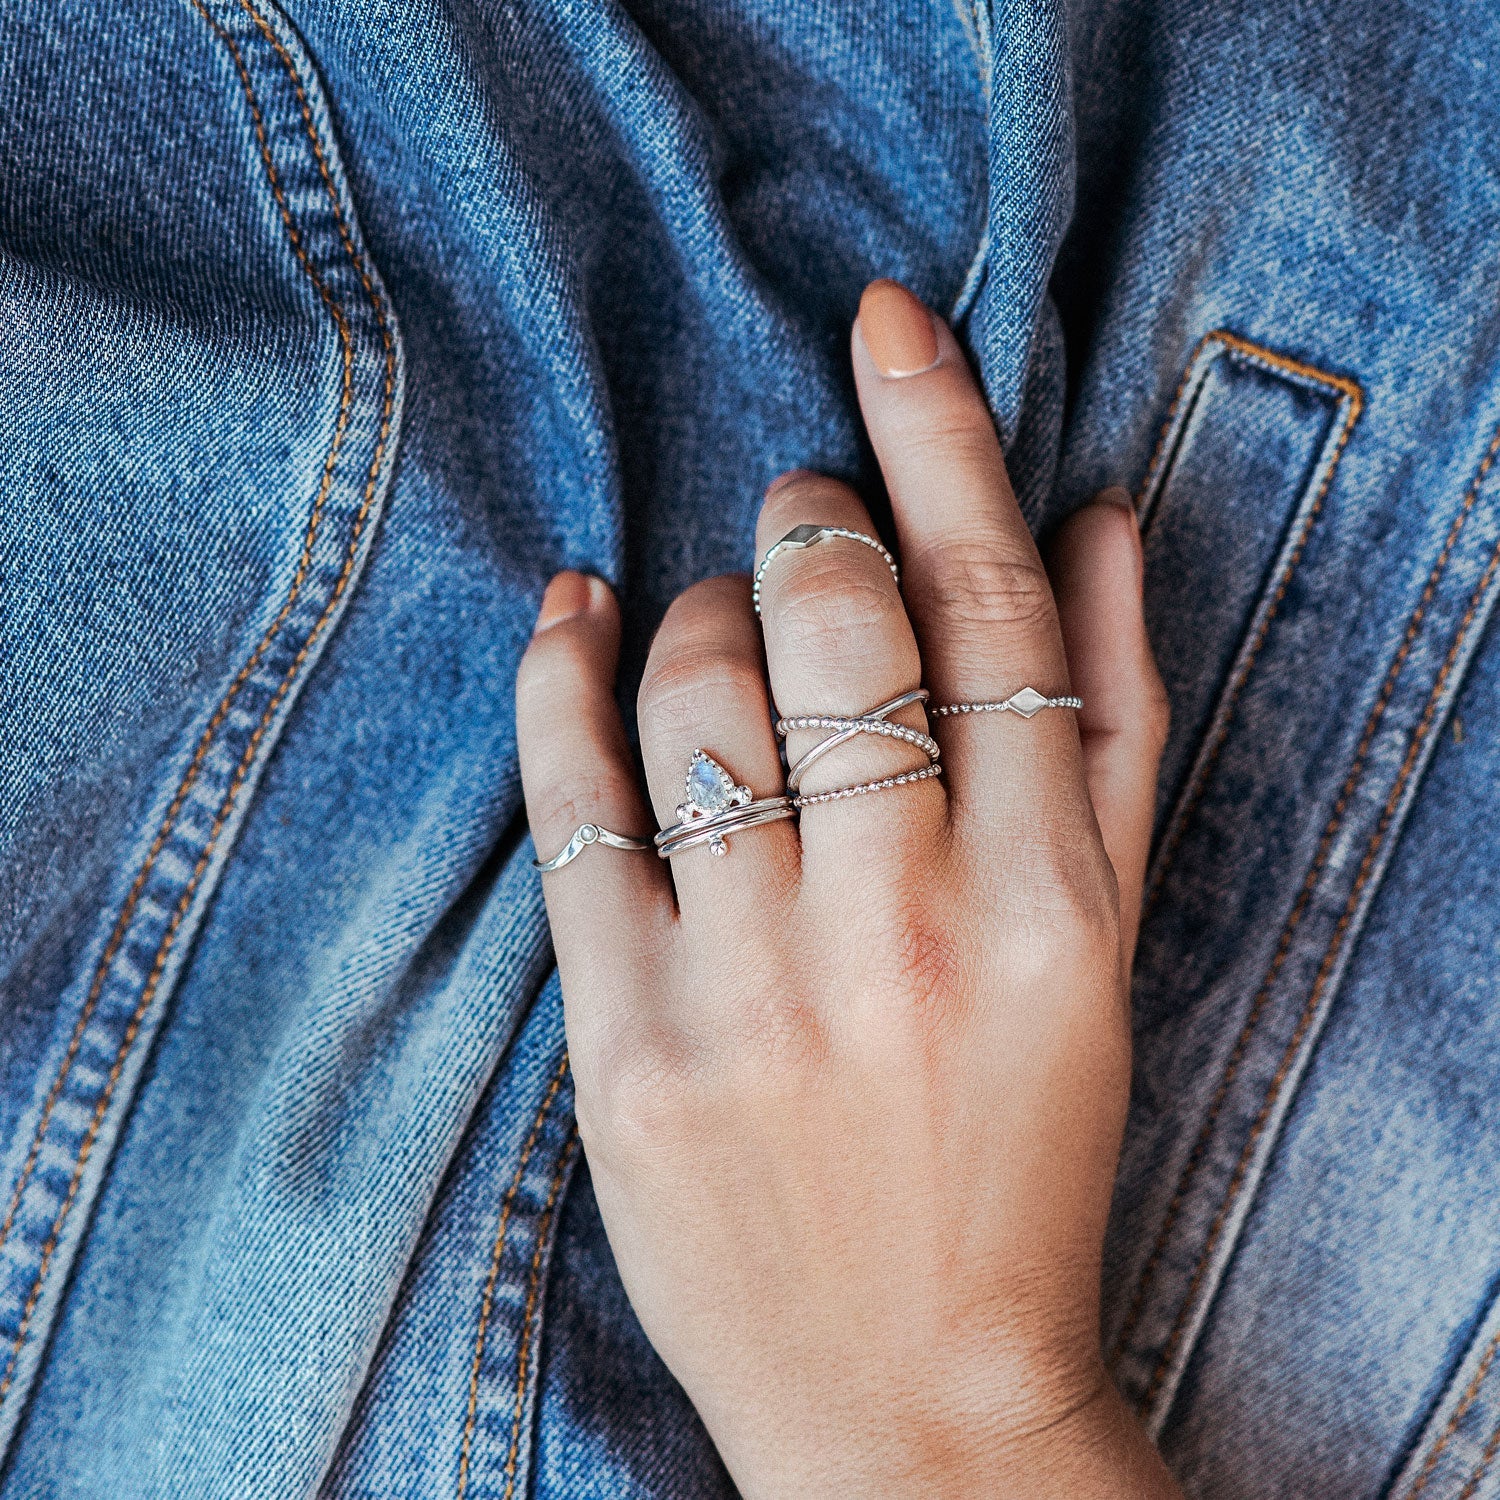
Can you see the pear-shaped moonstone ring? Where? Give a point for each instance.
(713, 807)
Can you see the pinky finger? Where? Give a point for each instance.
(1096, 572)
(577, 769)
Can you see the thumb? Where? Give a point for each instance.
(1096, 567)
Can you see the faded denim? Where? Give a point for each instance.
(331, 331)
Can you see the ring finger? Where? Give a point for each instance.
(704, 690)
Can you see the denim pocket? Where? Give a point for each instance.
(1245, 458)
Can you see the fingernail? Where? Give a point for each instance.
(1118, 495)
(898, 330)
(567, 595)
(782, 480)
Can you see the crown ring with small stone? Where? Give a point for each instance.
(713, 807)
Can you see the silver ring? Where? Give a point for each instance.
(1026, 703)
(922, 773)
(844, 729)
(588, 833)
(809, 536)
(876, 721)
(713, 807)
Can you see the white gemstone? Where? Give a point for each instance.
(709, 785)
(1027, 702)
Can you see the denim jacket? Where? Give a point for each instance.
(329, 331)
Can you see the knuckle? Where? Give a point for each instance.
(973, 581)
(936, 988)
(834, 602)
(691, 685)
(1075, 902)
(779, 1035)
(960, 437)
(552, 667)
(645, 1093)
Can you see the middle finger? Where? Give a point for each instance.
(838, 643)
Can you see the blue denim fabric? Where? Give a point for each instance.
(331, 331)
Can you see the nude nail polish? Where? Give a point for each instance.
(898, 330)
(1119, 496)
(567, 595)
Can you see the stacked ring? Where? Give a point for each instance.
(714, 807)
(1027, 702)
(845, 728)
(809, 536)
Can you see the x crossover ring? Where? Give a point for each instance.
(809, 536)
(714, 807)
(876, 721)
(1026, 703)
(842, 729)
(588, 833)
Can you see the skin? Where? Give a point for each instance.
(853, 1095)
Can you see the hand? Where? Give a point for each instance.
(852, 1096)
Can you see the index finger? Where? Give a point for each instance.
(975, 586)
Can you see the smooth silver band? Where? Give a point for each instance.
(1027, 702)
(715, 830)
(846, 728)
(809, 536)
(588, 833)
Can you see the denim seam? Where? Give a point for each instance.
(1492, 1446)
(133, 1028)
(543, 1231)
(1325, 969)
(1466, 1402)
(487, 1301)
(1486, 1459)
(1351, 397)
(979, 31)
(219, 714)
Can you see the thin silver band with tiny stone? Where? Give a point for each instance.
(809, 536)
(1026, 703)
(713, 807)
(586, 834)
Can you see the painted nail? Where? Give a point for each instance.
(1118, 495)
(898, 330)
(782, 480)
(567, 595)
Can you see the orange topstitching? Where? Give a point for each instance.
(1330, 958)
(299, 577)
(487, 1301)
(232, 793)
(1354, 398)
(533, 1282)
